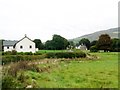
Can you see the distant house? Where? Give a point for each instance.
(81, 47)
(23, 45)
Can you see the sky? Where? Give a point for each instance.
(41, 19)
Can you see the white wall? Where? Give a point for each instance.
(25, 43)
(10, 48)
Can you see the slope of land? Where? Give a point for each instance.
(113, 32)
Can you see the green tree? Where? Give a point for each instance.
(85, 42)
(115, 46)
(60, 42)
(1, 45)
(57, 43)
(93, 43)
(93, 48)
(104, 42)
(77, 44)
(38, 44)
(71, 45)
(49, 45)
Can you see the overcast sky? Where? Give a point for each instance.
(43, 18)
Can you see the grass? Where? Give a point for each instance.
(47, 51)
(75, 74)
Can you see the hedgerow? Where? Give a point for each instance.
(66, 55)
(15, 58)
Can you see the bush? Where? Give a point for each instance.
(50, 55)
(14, 52)
(8, 82)
(80, 54)
(66, 55)
(15, 58)
(115, 50)
(22, 77)
(21, 65)
(28, 53)
(20, 53)
(93, 49)
(8, 53)
(6, 59)
(3, 53)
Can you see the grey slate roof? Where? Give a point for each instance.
(13, 43)
(9, 43)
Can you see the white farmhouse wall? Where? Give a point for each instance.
(25, 43)
(10, 48)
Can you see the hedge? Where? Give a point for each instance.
(65, 55)
(15, 58)
(93, 49)
(20, 53)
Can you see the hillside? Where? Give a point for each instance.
(113, 32)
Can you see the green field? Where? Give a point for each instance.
(47, 51)
(76, 73)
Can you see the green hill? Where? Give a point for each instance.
(113, 32)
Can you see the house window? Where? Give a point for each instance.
(30, 46)
(21, 47)
(7, 47)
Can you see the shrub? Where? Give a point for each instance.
(20, 53)
(16, 67)
(80, 54)
(50, 55)
(8, 53)
(14, 52)
(8, 82)
(15, 58)
(3, 53)
(66, 55)
(28, 53)
(93, 49)
(22, 77)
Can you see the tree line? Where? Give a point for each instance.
(58, 42)
(105, 43)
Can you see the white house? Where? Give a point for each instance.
(23, 45)
(81, 47)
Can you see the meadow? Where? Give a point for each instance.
(76, 73)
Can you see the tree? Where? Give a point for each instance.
(85, 42)
(71, 45)
(77, 44)
(57, 43)
(1, 45)
(93, 48)
(93, 43)
(115, 45)
(104, 42)
(118, 45)
(38, 44)
(60, 42)
(49, 45)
